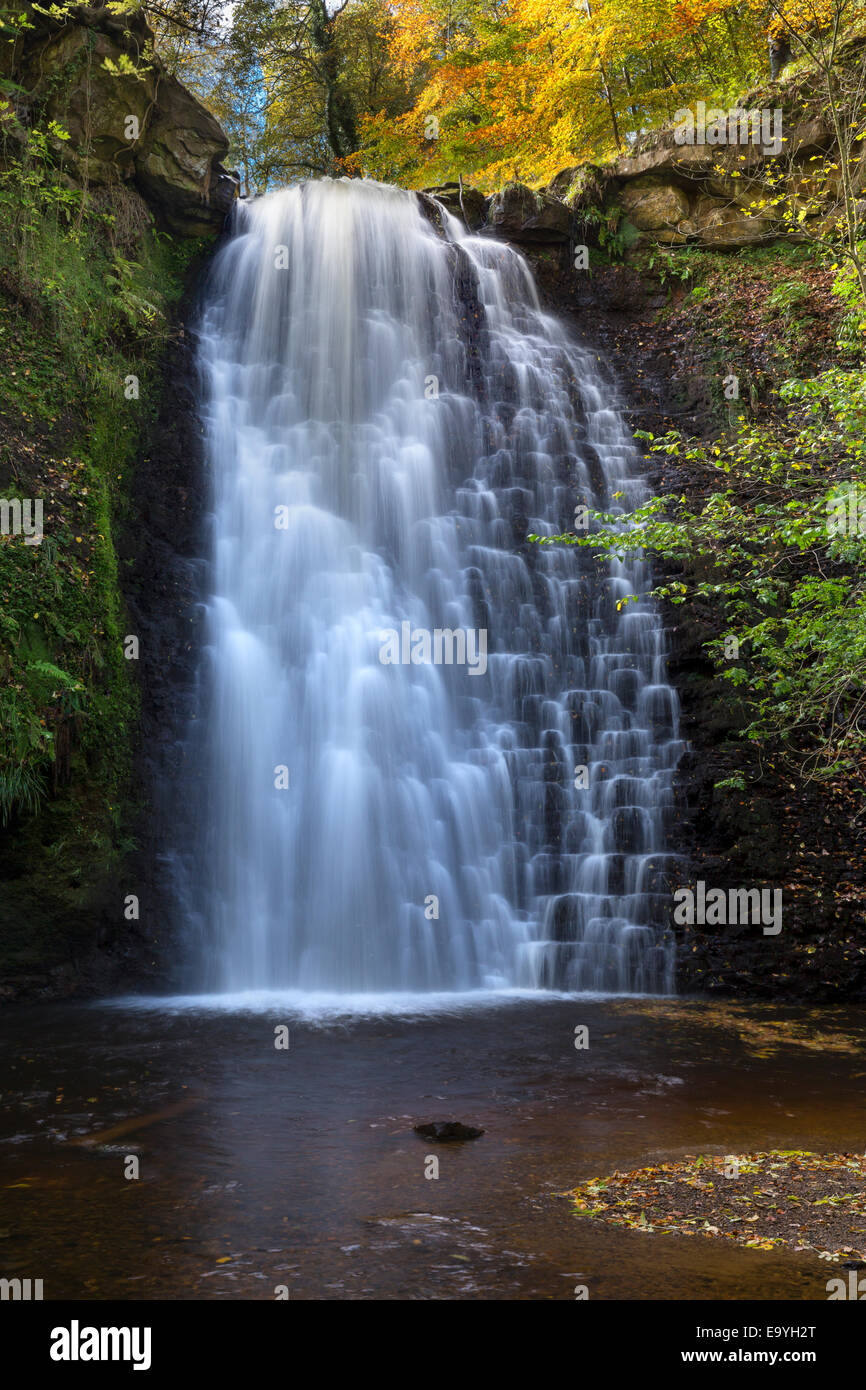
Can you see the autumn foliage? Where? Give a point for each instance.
(521, 88)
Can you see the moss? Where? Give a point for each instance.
(86, 292)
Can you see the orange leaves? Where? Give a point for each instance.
(688, 15)
(534, 86)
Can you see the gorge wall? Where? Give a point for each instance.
(682, 291)
(128, 121)
(114, 196)
(126, 488)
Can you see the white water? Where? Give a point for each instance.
(407, 781)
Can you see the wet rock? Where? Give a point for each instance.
(447, 1131)
(432, 211)
(158, 549)
(470, 207)
(518, 214)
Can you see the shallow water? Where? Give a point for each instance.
(261, 1167)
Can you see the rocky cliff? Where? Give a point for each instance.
(96, 76)
(99, 149)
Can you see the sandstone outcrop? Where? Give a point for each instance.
(128, 120)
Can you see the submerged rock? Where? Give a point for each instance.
(445, 1131)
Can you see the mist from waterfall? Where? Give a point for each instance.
(388, 413)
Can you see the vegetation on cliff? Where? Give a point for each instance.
(772, 529)
(776, 540)
(88, 282)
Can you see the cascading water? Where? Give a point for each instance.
(388, 415)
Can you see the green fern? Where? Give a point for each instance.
(22, 790)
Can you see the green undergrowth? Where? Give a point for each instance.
(763, 314)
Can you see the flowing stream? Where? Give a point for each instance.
(435, 757)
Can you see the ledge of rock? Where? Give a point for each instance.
(711, 210)
(518, 214)
(135, 124)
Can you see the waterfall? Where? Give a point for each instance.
(399, 691)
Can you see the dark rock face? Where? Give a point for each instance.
(518, 214)
(430, 209)
(470, 205)
(141, 127)
(782, 832)
(164, 588)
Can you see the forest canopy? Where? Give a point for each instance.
(421, 91)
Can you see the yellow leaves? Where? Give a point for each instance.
(802, 16)
(527, 87)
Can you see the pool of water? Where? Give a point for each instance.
(262, 1167)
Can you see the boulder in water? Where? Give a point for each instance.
(446, 1131)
